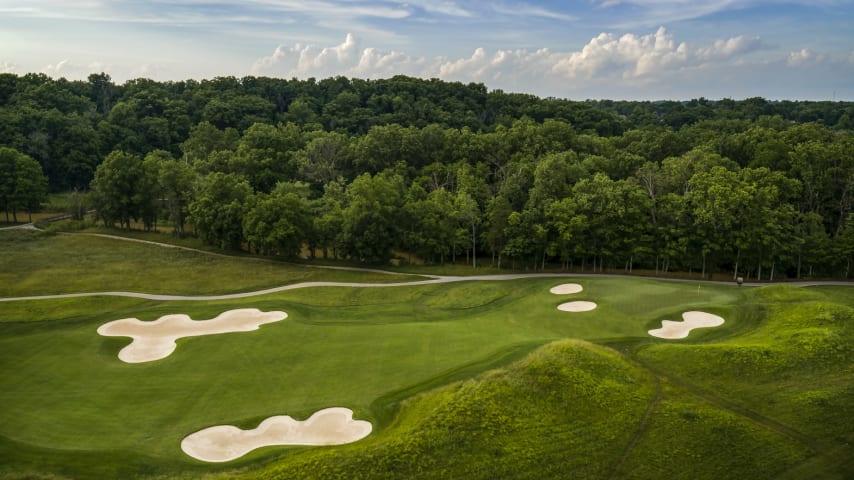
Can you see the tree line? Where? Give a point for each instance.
(23, 185)
(69, 127)
(449, 172)
(532, 194)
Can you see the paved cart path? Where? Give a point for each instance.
(430, 279)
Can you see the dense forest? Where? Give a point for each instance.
(445, 171)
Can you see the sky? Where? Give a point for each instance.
(577, 49)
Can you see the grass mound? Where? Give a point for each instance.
(691, 439)
(796, 368)
(567, 410)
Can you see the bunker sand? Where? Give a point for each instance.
(691, 320)
(576, 307)
(566, 289)
(330, 426)
(156, 340)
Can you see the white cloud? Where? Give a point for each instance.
(647, 12)
(148, 70)
(668, 11)
(725, 49)
(526, 10)
(6, 67)
(804, 57)
(647, 56)
(195, 12)
(309, 60)
(516, 66)
(628, 55)
(59, 69)
(443, 8)
(70, 70)
(336, 9)
(376, 64)
(626, 58)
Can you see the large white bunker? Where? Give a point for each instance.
(691, 320)
(156, 340)
(330, 426)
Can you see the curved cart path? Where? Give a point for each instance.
(431, 279)
(434, 280)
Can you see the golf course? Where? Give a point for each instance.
(424, 376)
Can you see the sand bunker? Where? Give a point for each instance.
(576, 306)
(330, 426)
(671, 330)
(156, 340)
(566, 289)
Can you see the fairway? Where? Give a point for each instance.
(458, 379)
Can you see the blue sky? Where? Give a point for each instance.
(618, 49)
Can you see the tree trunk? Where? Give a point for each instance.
(499, 261)
(772, 272)
(799, 264)
(474, 246)
(759, 272)
(704, 265)
(737, 257)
